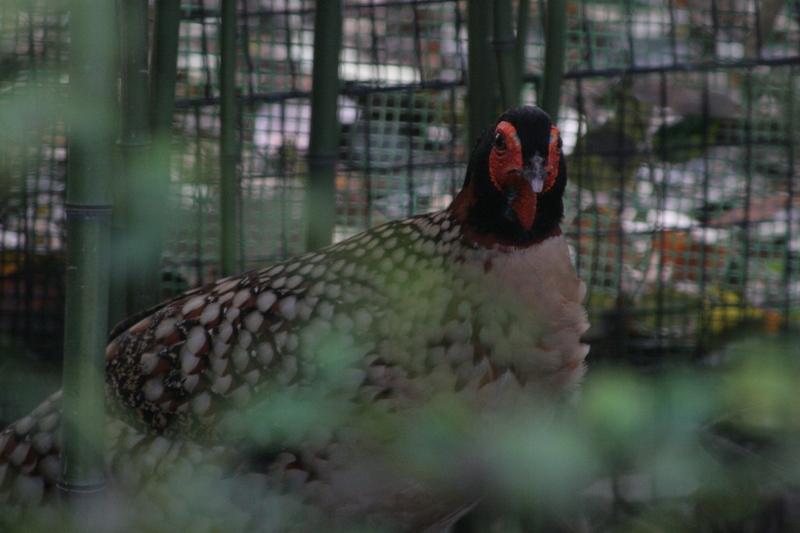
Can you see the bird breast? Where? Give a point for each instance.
(542, 293)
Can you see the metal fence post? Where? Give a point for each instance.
(323, 146)
(92, 91)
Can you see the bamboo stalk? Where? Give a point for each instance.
(164, 68)
(229, 145)
(135, 276)
(554, 53)
(163, 75)
(323, 147)
(523, 17)
(481, 84)
(92, 94)
(508, 64)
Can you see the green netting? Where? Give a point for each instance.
(33, 156)
(678, 120)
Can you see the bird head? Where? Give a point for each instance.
(515, 181)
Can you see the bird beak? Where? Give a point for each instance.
(534, 172)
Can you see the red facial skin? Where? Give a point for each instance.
(553, 156)
(509, 175)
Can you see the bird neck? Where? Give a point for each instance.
(484, 221)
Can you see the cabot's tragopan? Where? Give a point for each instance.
(477, 305)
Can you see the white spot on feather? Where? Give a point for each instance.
(48, 423)
(201, 403)
(244, 339)
(241, 395)
(42, 443)
(220, 348)
(189, 362)
(274, 271)
(337, 265)
(287, 307)
(343, 323)
(196, 339)
(239, 358)
(292, 342)
(210, 313)
(241, 297)
(219, 365)
(252, 376)
(304, 310)
(223, 298)
(266, 300)
(50, 467)
(318, 270)
(190, 382)
(280, 339)
(363, 319)
(317, 288)
(142, 325)
(158, 448)
(332, 291)
(265, 353)
(28, 489)
(192, 304)
(288, 369)
(294, 281)
(165, 329)
(232, 314)
(222, 384)
(24, 425)
(325, 310)
(253, 321)
(153, 388)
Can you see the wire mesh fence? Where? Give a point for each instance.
(33, 55)
(678, 119)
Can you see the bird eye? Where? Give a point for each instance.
(500, 141)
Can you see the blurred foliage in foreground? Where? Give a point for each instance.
(680, 448)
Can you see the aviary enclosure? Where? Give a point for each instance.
(680, 125)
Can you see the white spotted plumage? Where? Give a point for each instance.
(392, 318)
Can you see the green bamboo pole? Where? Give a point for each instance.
(481, 81)
(509, 76)
(554, 53)
(163, 76)
(92, 89)
(229, 149)
(523, 17)
(164, 69)
(323, 145)
(135, 275)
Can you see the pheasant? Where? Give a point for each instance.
(475, 306)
